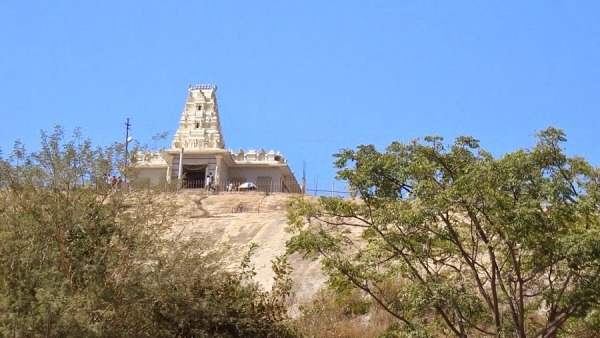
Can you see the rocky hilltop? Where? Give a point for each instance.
(240, 218)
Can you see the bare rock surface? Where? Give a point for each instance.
(240, 218)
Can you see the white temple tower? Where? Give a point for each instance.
(199, 126)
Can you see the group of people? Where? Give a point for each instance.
(209, 184)
(116, 183)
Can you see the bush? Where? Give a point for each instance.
(79, 258)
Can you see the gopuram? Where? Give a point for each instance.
(199, 159)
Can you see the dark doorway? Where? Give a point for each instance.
(193, 176)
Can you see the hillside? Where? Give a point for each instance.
(241, 218)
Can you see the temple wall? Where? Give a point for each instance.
(223, 174)
(253, 174)
(154, 175)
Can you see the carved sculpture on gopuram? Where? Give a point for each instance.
(199, 126)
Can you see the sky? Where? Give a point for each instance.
(307, 78)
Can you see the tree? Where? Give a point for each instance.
(80, 257)
(452, 241)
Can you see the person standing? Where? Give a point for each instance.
(209, 182)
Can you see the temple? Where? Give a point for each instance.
(198, 156)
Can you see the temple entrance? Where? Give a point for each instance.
(194, 176)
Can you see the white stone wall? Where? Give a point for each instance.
(154, 175)
(252, 174)
(261, 155)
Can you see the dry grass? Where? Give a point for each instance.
(342, 315)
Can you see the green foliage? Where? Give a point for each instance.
(81, 258)
(198, 299)
(482, 246)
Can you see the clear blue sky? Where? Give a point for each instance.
(305, 77)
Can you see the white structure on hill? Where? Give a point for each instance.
(198, 155)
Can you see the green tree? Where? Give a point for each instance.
(82, 258)
(452, 241)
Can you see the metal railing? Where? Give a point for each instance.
(284, 186)
(327, 193)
